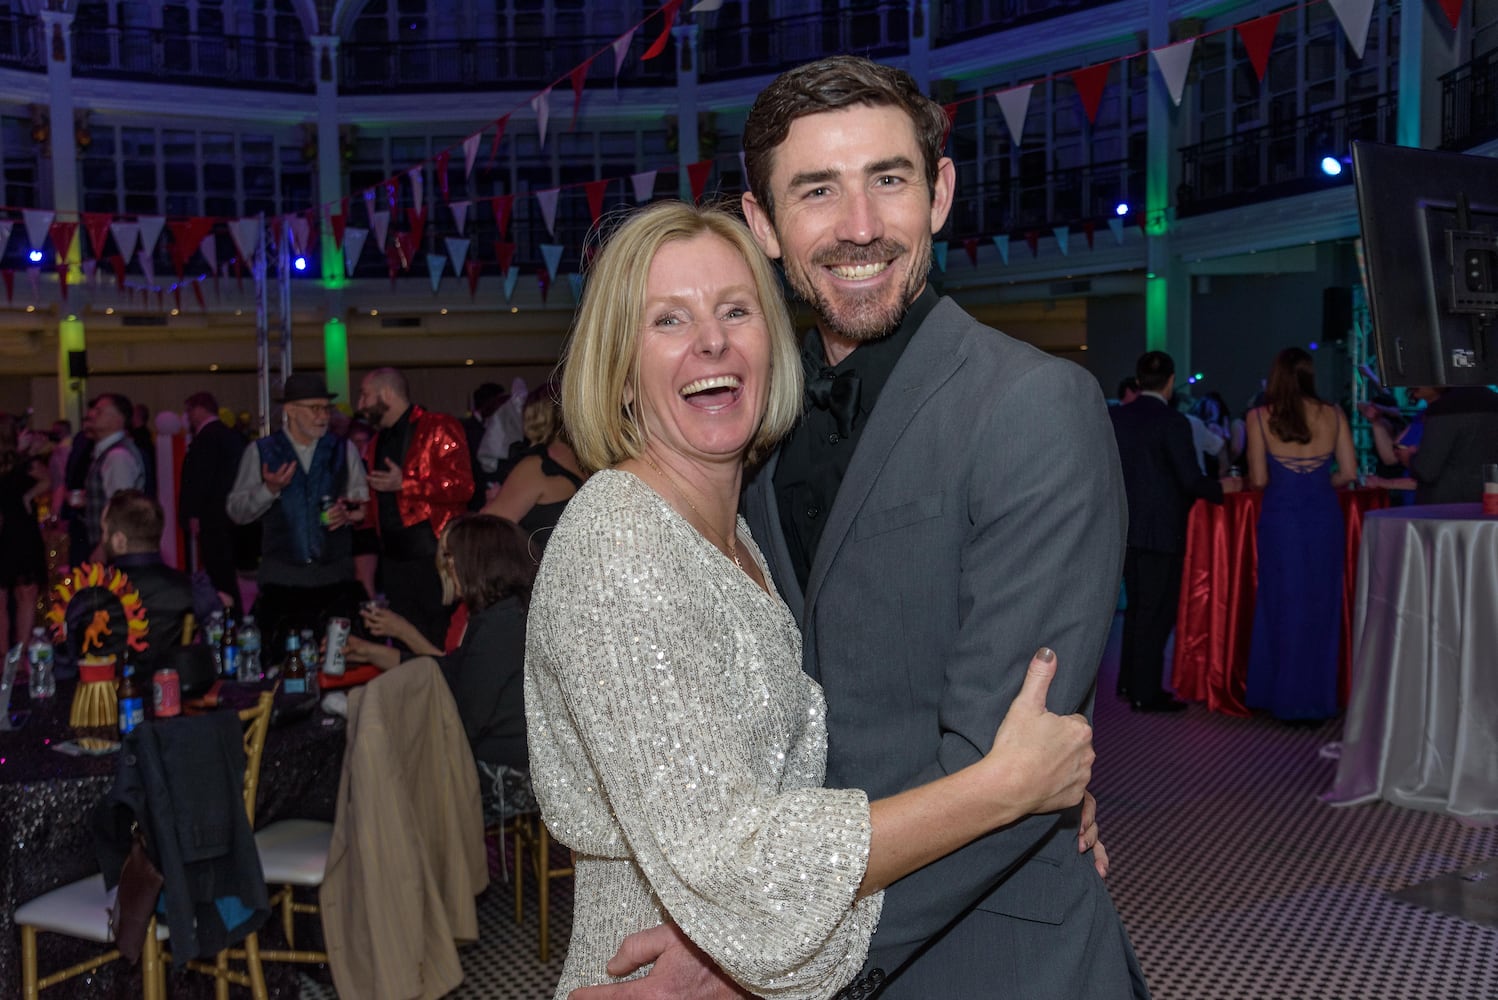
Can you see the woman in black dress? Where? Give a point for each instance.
(537, 489)
(23, 562)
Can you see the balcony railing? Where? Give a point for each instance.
(1469, 104)
(495, 63)
(20, 41)
(960, 20)
(1055, 198)
(1277, 161)
(209, 60)
(879, 29)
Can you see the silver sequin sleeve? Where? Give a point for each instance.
(679, 749)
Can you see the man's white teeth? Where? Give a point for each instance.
(856, 272)
(715, 382)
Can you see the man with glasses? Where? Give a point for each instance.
(306, 487)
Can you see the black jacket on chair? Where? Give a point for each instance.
(1161, 477)
(182, 780)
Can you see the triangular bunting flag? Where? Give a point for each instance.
(541, 105)
(369, 203)
(353, 245)
(1453, 10)
(1088, 229)
(62, 234)
(548, 202)
(146, 266)
(659, 45)
(512, 275)
(499, 133)
(96, 225)
(379, 224)
(1002, 243)
(90, 267)
(436, 264)
(621, 49)
(406, 246)
(950, 110)
(579, 77)
(596, 190)
(118, 264)
(245, 232)
(576, 282)
(473, 269)
(209, 249)
(1354, 16)
(504, 253)
(442, 180)
(417, 222)
(1015, 104)
(1116, 225)
(1173, 62)
(644, 185)
(552, 254)
(392, 193)
(457, 252)
(150, 231)
(62, 280)
(939, 252)
(126, 237)
(38, 221)
(1258, 39)
(697, 174)
(301, 228)
(1063, 239)
(471, 152)
(418, 189)
(971, 246)
(502, 206)
(1033, 239)
(459, 210)
(338, 222)
(1090, 81)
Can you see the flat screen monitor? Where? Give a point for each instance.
(1430, 240)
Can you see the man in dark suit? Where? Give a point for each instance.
(132, 525)
(208, 472)
(928, 533)
(1460, 437)
(1161, 480)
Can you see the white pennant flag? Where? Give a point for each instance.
(1063, 238)
(551, 253)
(38, 221)
(380, 223)
(126, 236)
(1002, 243)
(246, 233)
(511, 277)
(1174, 61)
(705, 6)
(644, 184)
(621, 49)
(471, 151)
(541, 105)
(209, 250)
(436, 264)
(417, 189)
(353, 245)
(300, 228)
(90, 267)
(457, 252)
(150, 231)
(1116, 225)
(460, 214)
(1354, 16)
(146, 267)
(6, 226)
(1015, 104)
(548, 201)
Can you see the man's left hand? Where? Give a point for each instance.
(681, 971)
(386, 480)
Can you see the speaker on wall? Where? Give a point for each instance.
(1336, 312)
(77, 364)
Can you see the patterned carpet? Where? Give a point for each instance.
(1234, 880)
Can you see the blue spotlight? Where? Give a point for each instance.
(300, 263)
(35, 256)
(1121, 209)
(1314, 346)
(1331, 166)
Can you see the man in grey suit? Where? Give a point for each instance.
(951, 500)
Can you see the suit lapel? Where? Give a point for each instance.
(771, 539)
(933, 355)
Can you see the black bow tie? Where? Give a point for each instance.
(837, 394)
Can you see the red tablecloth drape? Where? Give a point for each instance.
(1216, 614)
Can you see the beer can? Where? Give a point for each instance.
(132, 713)
(231, 661)
(166, 692)
(337, 639)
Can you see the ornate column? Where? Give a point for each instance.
(330, 193)
(57, 25)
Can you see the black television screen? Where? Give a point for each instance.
(1430, 241)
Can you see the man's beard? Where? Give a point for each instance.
(374, 413)
(858, 316)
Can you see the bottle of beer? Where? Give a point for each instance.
(293, 671)
(131, 698)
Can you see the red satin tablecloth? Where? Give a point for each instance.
(1215, 619)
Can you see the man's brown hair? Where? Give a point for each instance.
(136, 516)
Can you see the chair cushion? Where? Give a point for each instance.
(294, 851)
(80, 910)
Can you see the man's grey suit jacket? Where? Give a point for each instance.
(982, 516)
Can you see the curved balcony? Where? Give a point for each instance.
(201, 60)
(20, 41)
(1469, 104)
(1054, 198)
(494, 63)
(962, 20)
(729, 49)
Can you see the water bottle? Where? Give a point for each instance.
(213, 635)
(43, 677)
(231, 650)
(293, 672)
(249, 650)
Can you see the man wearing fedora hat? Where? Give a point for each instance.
(306, 553)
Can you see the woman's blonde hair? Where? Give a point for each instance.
(601, 362)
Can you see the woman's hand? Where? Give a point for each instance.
(359, 650)
(1045, 759)
(383, 622)
(1089, 837)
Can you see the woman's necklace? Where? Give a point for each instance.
(730, 543)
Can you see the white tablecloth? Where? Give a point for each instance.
(1422, 724)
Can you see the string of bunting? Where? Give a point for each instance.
(135, 241)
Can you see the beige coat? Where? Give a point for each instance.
(407, 855)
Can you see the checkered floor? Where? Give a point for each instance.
(1233, 879)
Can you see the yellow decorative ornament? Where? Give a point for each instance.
(97, 613)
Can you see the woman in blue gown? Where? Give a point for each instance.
(1299, 453)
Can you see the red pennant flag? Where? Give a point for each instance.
(697, 174)
(177, 295)
(338, 222)
(197, 291)
(659, 45)
(474, 268)
(1033, 238)
(579, 76)
(505, 254)
(405, 245)
(62, 239)
(971, 246)
(950, 110)
(543, 281)
(392, 192)
(187, 236)
(1090, 81)
(1089, 227)
(502, 206)
(62, 279)
(9, 276)
(1258, 39)
(595, 190)
(1139, 221)
(118, 263)
(499, 133)
(96, 224)
(1453, 9)
(442, 159)
(418, 221)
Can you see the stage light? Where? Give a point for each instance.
(1314, 346)
(300, 263)
(35, 256)
(1198, 377)
(1331, 166)
(1121, 209)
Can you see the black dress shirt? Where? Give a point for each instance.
(397, 540)
(815, 457)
